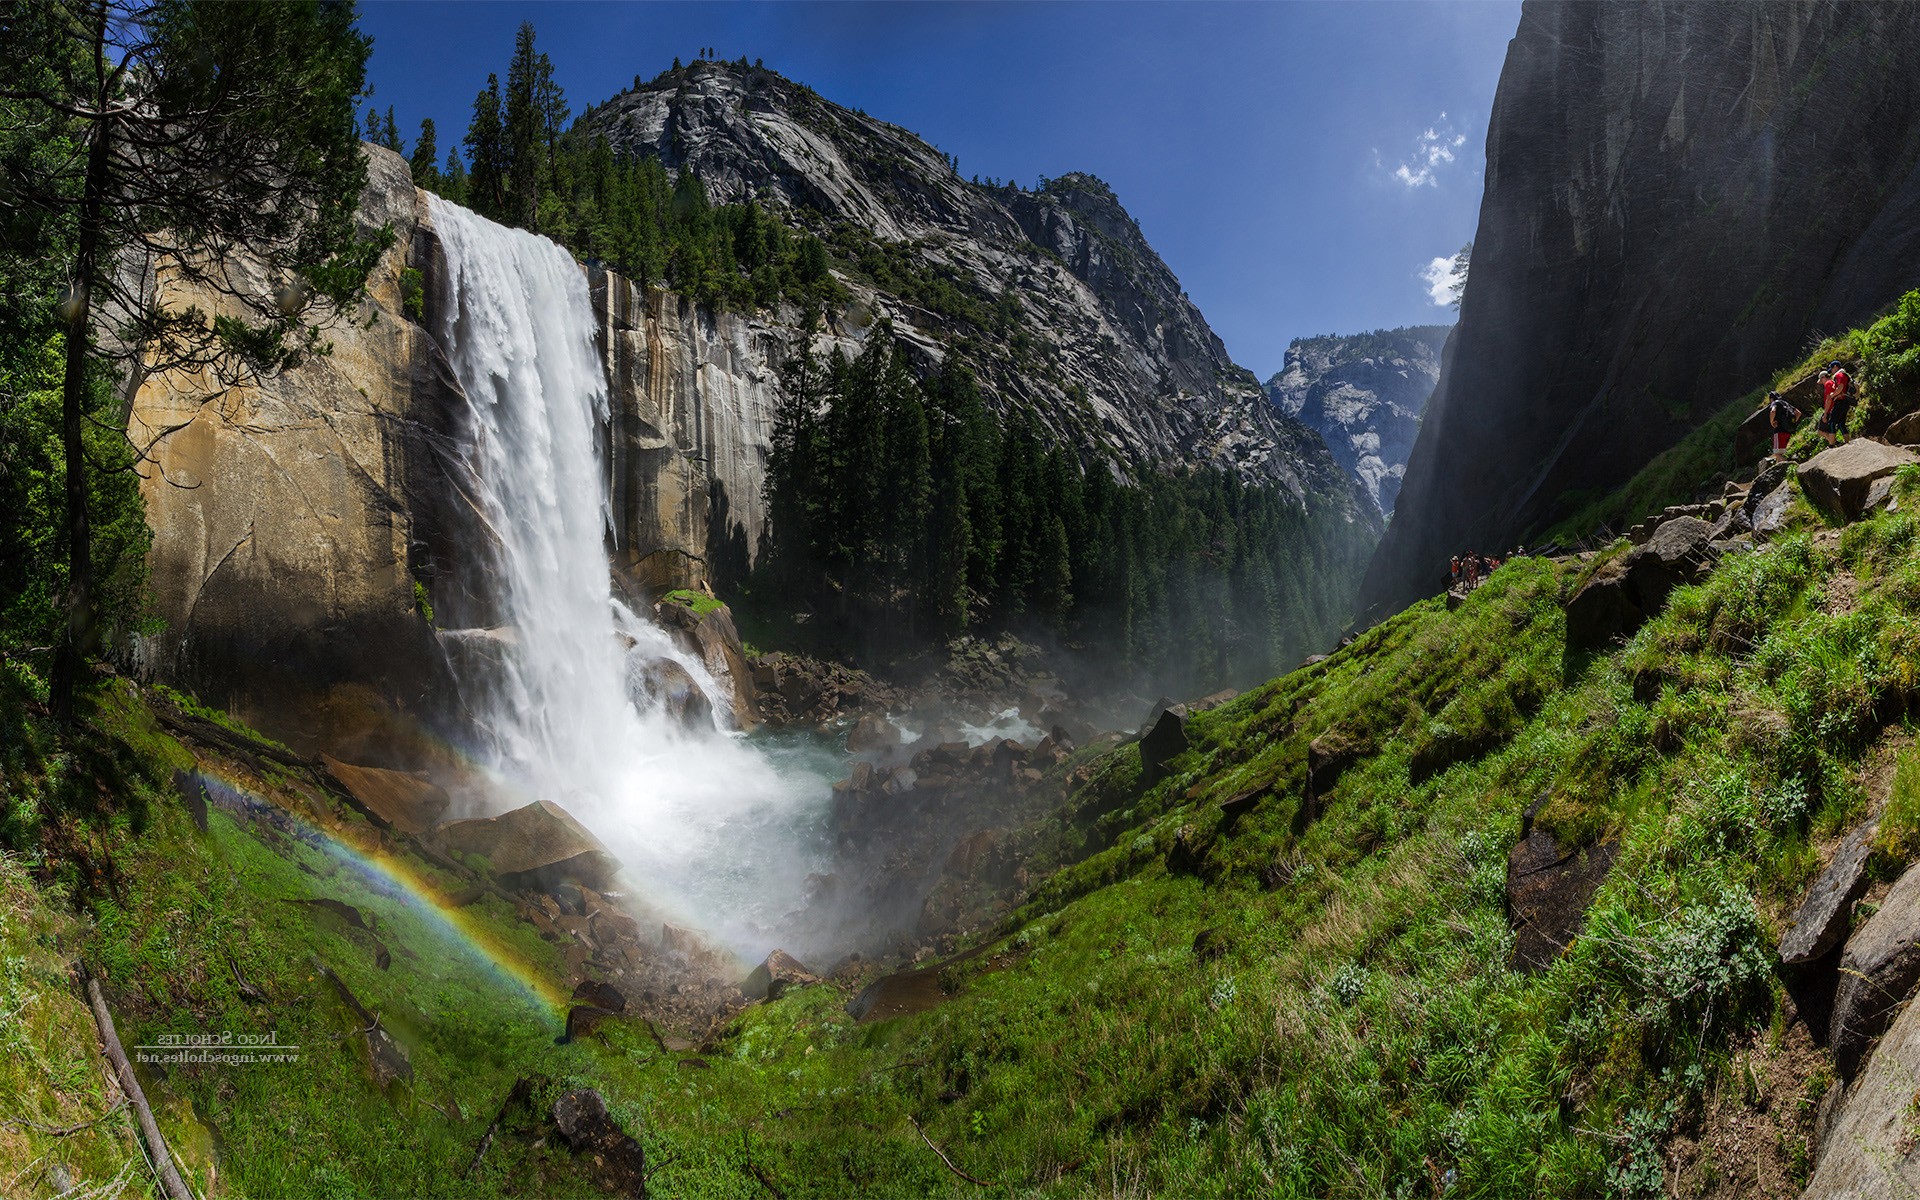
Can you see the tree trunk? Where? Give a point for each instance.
(70, 659)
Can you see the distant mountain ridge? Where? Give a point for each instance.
(1052, 295)
(1363, 393)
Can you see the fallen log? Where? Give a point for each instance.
(170, 1180)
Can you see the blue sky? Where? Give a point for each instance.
(1298, 165)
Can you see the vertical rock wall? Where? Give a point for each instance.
(304, 523)
(293, 514)
(693, 395)
(1678, 196)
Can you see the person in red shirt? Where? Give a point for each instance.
(1839, 401)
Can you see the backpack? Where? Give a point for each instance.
(1780, 415)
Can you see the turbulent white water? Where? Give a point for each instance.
(707, 826)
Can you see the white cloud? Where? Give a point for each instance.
(1443, 281)
(1433, 150)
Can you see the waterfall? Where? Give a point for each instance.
(707, 827)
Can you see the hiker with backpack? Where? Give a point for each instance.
(1838, 399)
(1781, 418)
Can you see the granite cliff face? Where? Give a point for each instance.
(1066, 309)
(1678, 195)
(1363, 394)
(305, 523)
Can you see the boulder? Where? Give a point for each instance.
(1878, 968)
(1328, 757)
(534, 848)
(620, 1165)
(1868, 1152)
(583, 1019)
(778, 972)
(707, 629)
(1820, 923)
(670, 686)
(1769, 515)
(1905, 431)
(600, 994)
(872, 732)
(978, 855)
(1629, 590)
(1838, 479)
(1548, 889)
(391, 799)
(1164, 741)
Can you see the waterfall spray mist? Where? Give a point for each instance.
(708, 828)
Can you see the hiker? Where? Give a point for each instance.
(1825, 425)
(1781, 417)
(1456, 572)
(1839, 402)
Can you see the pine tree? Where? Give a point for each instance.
(179, 163)
(453, 178)
(487, 154)
(425, 162)
(390, 134)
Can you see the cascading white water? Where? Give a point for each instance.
(704, 823)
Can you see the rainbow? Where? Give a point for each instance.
(394, 875)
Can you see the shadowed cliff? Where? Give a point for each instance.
(1677, 197)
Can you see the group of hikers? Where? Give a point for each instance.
(1472, 568)
(1836, 398)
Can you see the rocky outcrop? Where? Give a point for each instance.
(1841, 479)
(1065, 310)
(1869, 1152)
(1820, 923)
(1677, 194)
(693, 392)
(293, 515)
(1364, 395)
(1625, 592)
(536, 847)
(1878, 970)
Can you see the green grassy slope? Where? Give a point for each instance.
(1349, 1027)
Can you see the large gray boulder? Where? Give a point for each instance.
(1905, 431)
(1820, 923)
(536, 847)
(1624, 593)
(1868, 1152)
(1839, 480)
(1879, 967)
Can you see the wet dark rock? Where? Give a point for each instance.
(778, 972)
(619, 1162)
(600, 994)
(669, 685)
(1820, 923)
(712, 637)
(1548, 890)
(1166, 740)
(1878, 969)
(1209, 944)
(192, 791)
